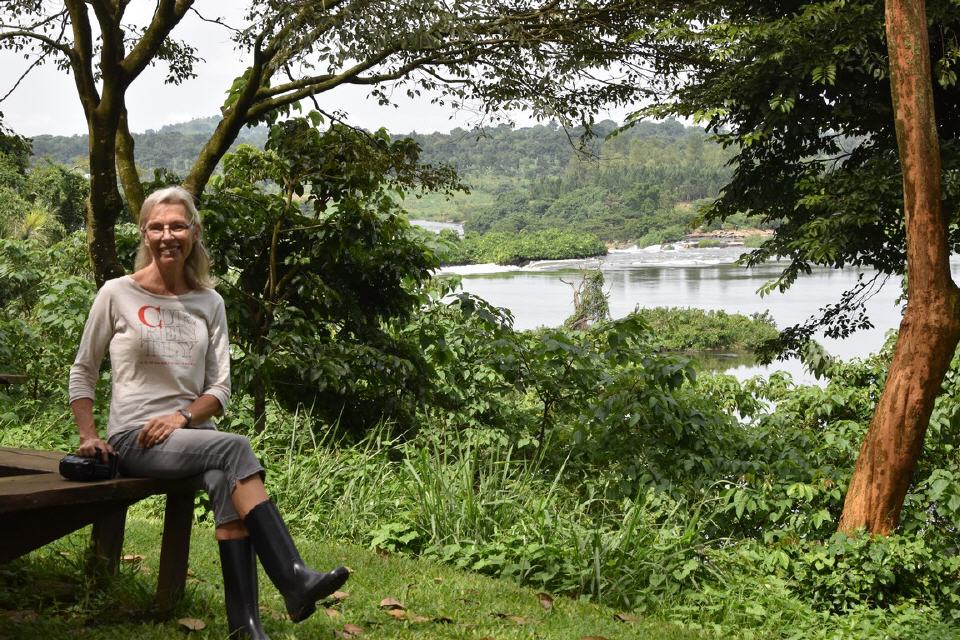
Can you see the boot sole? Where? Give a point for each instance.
(323, 590)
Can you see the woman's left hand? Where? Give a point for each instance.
(158, 429)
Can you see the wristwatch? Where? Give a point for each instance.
(186, 414)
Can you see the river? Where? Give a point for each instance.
(700, 278)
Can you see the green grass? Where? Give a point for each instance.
(45, 595)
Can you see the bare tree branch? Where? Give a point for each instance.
(218, 21)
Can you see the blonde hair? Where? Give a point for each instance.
(197, 266)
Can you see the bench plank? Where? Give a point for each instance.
(26, 461)
(50, 489)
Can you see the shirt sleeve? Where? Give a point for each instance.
(217, 372)
(97, 333)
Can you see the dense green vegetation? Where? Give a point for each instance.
(518, 248)
(641, 185)
(703, 330)
(172, 147)
(587, 463)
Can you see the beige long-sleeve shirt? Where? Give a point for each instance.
(165, 351)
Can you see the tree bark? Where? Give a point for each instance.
(104, 205)
(127, 168)
(930, 329)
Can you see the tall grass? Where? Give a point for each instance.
(475, 502)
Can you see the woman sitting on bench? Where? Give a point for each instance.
(166, 330)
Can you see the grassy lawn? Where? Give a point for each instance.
(46, 596)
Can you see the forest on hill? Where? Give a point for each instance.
(640, 185)
(172, 147)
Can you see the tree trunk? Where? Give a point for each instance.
(930, 329)
(127, 168)
(104, 204)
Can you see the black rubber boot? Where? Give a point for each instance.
(239, 564)
(299, 585)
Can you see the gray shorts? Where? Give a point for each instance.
(219, 459)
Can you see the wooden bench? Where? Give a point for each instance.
(37, 506)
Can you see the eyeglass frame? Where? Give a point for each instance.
(167, 226)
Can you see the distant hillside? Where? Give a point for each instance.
(639, 185)
(530, 152)
(174, 146)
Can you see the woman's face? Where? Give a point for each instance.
(170, 235)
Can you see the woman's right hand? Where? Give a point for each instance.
(88, 448)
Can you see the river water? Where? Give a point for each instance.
(702, 278)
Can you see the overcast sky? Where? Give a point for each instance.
(46, 101)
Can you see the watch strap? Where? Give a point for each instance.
(186, 414)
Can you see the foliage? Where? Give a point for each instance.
(59, 190)
(316, 258)
(41, 315)
(709, 243)
(172, 147)
(800, 93)
(42, 202)
(626, 188)
(703, 330)
(519, 248)
(631, 187)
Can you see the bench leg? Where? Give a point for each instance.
(107, 542)
(175, 550)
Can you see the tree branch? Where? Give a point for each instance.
(295, 21)
(350, 76)
(218, 21)
(47, 40)
(168, 15)
(36, 25)
(81, 55)
(23, 75)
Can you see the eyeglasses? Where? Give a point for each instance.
(156, 229)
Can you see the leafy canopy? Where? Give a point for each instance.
(317, 258)
(800, 91)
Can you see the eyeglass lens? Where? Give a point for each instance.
(175, 228)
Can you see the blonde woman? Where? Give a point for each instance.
(165, 327)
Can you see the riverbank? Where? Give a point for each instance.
(537, 295)
(518, 249)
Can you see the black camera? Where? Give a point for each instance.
(73, 467)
